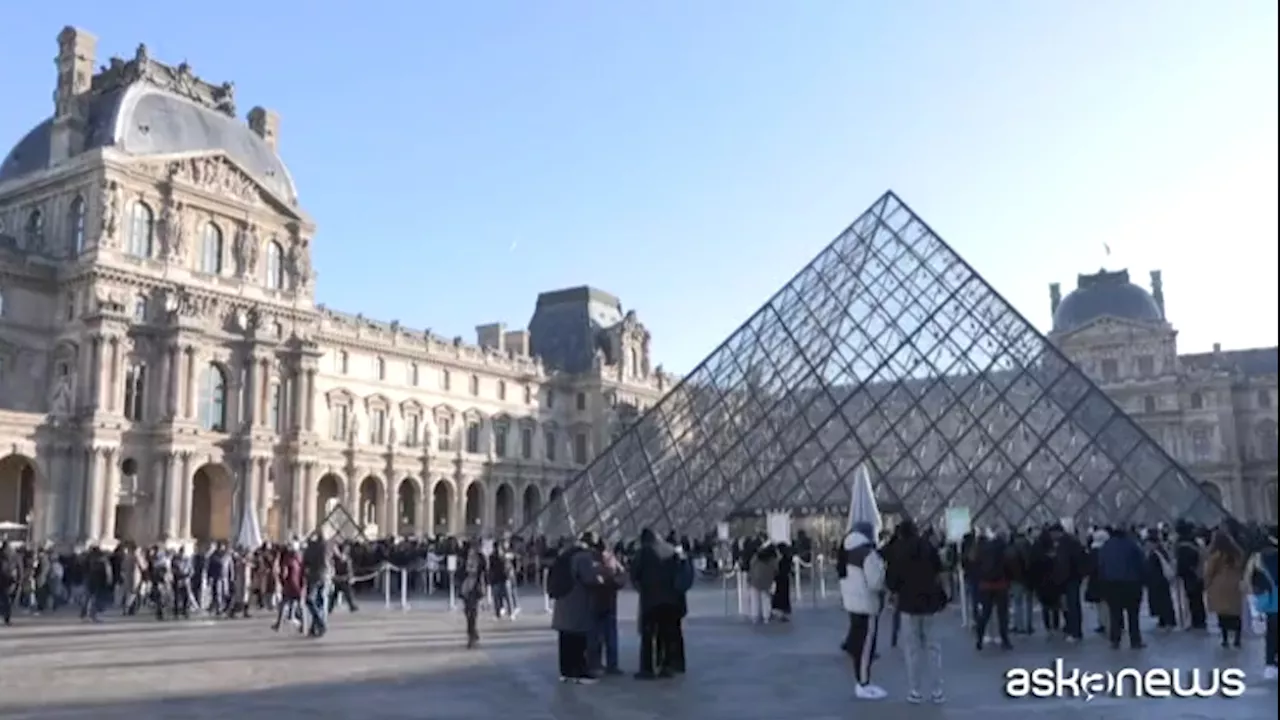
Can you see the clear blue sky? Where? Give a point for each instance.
(690, 156)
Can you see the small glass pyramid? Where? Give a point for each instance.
(887, 349)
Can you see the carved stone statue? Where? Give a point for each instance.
(173, 232)
(62, 398)
(109, 202)
(298, 263)
(247, 246)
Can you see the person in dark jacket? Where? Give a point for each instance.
(1122, 568)
(914, 576)
(1189, 557)
(470, 579)
(292, 584)
(991, 571)
(602, 646)
(659, 604)
(1158, 580)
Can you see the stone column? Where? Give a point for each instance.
(246, 413)
(173, 359)
(458, 520)
(352, 502)
(292, 388)
(91, 508)
(113, 385)
(184, 497)
(427, 511)
(309, 400)
(391, 505)
(308, 491)
(171, 525)
(296, 496)
(110, 496)
(189, 384)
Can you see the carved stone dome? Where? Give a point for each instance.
(1105, 294)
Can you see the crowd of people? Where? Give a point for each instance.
(1098, 577)
(1229, 572)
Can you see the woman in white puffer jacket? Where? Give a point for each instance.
(862, 593)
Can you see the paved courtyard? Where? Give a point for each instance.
(391, 664)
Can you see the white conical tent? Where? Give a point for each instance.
(862, 501)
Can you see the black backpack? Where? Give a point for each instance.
(560, 579)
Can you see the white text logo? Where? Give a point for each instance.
(1060, 681)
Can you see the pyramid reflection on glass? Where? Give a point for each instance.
(888, 348)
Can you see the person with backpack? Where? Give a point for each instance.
(991, 559)
(913, 573)
(570, 586)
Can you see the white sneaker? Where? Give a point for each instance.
(869, 692)
(1270, 672)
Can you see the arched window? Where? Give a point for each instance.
(75, 216)
(413, 374)
(275, 266)
(34, 229)
(213, 399)
(135, 385)
(211, 249)
(475, 385)
(502, 389)
(635, 362)
(380, 368)
(141, 230)
(344, 362)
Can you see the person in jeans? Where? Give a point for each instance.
(319, 574)
(501, 581)
(292, 583)
(573, 617)
(602, 649)
(913, 574)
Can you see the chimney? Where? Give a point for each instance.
(1055, 297)
(1157, 290)
(1217, 348)
(76, 50)
(517, 342)
(491, 336)
(265, 124)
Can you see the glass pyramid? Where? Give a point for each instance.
(889, 350)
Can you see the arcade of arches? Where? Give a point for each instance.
(212, 497)
(411, 509)
(17, 490)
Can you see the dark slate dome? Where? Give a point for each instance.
(145, 108)
(1106, 294)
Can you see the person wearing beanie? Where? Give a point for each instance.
(861, 593)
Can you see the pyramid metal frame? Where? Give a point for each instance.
(830, 373)
(339, 523)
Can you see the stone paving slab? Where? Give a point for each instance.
(378, 664)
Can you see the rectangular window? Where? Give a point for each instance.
(473, 437)
(412, 426)
(378, 427)
(526, 443)
(1146, 366)
(1110, 370)
(444, 442)
(135, 381)
(340, 422)
(580, 448)
(549, 439)
(500, 441)
(582, 402)
(1201, 444)
(551, 398)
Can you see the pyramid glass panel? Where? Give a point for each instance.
(887, 351)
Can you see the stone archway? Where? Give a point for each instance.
(555, 495)
(407, 506)
(328, 496)
(442, 506)
(473, 512)
(532, 503)
(212, 492)
(371, 504)
(504, 507)
(18, 487)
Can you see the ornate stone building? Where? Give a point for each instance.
(163, 364)
(1216, 412)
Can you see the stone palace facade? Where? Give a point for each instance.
(1215, 412)
(163, 364)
